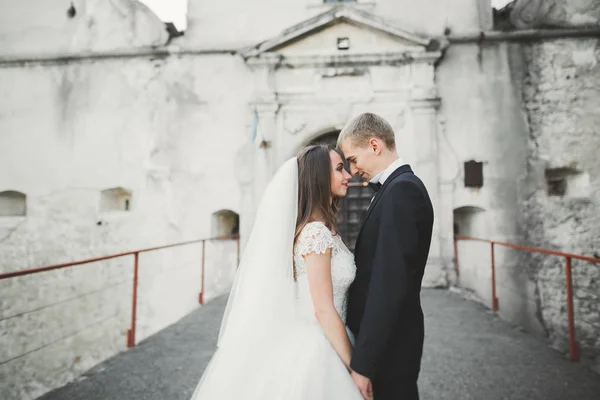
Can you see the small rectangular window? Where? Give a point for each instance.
(473, 174)
(343, 43)
(557, 187)
(567, 181)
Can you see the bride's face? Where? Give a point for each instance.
(339, 175)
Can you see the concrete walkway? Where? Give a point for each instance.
(469, 354)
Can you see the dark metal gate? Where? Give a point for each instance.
(353, 210)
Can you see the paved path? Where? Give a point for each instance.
(469, 354)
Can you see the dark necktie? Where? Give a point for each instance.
(375, 186)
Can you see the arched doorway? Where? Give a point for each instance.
(353, 208)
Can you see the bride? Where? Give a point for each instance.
(283, 335)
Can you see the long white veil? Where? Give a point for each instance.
(261, 307)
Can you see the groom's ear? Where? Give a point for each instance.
(375, 146)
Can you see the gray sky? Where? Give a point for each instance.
(169, 10)
(175, 10)
(500, 3)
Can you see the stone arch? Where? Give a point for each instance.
(115, 199)
(316, 137)
(225, 223)
(13, 204)
(469, 221)
(329, 137)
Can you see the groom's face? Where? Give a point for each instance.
(362, 160)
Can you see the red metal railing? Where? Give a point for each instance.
(136, 254)
(574, 352)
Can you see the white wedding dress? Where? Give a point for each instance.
(271, 346)
(318, 372)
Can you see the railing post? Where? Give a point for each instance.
(494, 298)
(131, 331)
(573, 346)
(201, 296)
(456, 256)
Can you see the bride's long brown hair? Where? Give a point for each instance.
(314, 188)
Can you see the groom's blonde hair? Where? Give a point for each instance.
(360, 129)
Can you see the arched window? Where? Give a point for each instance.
(13, 204)
(468, 221)
(225, 223)
(115, 199)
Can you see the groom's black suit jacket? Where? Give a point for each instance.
(384, 308)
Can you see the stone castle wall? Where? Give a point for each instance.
(561, 209)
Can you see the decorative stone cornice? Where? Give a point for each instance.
(425, 105)
(356, 60)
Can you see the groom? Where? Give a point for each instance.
(384, 308)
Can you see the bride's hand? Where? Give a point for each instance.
(364, 385)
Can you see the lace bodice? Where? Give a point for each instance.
(316, 237)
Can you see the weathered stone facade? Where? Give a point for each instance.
(112, 140)
(78, 133)
(561, 211)
(552, 197)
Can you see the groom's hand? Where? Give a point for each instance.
(364, 385)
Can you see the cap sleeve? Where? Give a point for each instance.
(314, 238)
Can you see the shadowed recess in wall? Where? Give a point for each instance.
(469, 221)
(115, 199)
(13, 204)
(225, 223)
(567, 182)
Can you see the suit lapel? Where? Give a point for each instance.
(399, 171)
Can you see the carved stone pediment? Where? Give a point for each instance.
(343, 35)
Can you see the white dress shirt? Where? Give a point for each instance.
(383, 175)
